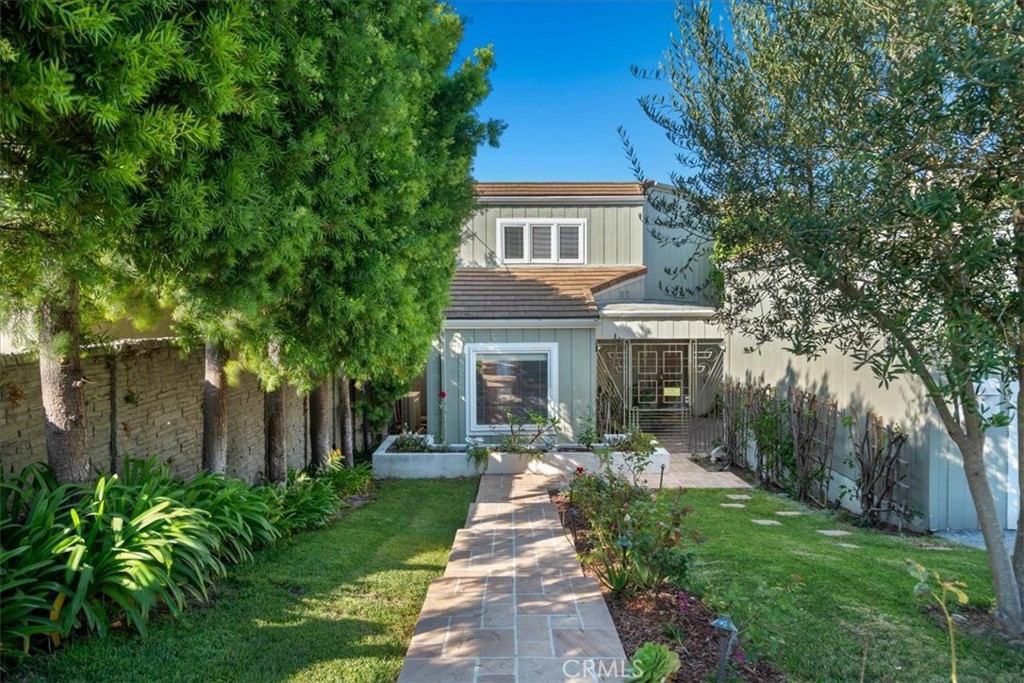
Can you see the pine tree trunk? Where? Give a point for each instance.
(115, 458)
(273, 423)
(62, 383)
(215, 423)
(319, 426)
(366, 430)
(347, 421)
(273, 426)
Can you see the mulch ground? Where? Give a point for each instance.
(648, 617)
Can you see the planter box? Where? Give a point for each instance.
(454, 463)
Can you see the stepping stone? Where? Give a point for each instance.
(847, 545)
(737, 496)
(788, 513)
(833, 532)
(935, 547)
(766, 522)
(732, 505)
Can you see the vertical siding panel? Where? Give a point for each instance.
(623, 238)
(595, 238)
(636, 235)
(611, 243)
(566, 387)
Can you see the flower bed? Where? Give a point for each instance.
(455, 462)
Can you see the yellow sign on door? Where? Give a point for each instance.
(671, 392)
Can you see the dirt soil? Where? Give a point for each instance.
(646, 617)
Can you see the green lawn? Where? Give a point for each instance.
(810, 605)
(338, 604)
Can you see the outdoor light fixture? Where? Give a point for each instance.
(661, 480)
(624, 544)
(729, 634)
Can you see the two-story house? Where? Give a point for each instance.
(559, 306)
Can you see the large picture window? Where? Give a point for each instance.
(542, 240)
(509, 379)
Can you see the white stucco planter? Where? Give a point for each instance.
(452, 464)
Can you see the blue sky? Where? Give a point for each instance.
(563, 85)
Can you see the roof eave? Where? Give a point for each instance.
(561, 200)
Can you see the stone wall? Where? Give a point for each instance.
(153, 407)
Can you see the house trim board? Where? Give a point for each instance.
(609, 200)
(533, 323)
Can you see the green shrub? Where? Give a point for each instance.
(637, 539)
(306, 502)
(410, 442)
(637, 448)
(238, 515)
(76, 557)
(33, 556)
(348, 482)
(134, 549)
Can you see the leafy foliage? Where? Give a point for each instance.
(131, 552)
(859, 166)
(35, 542)
(529, 433)
(355, 481)
(637, 449)
(238, 515)
(96, 558)
(637, 539)
(586, 433)
(306, 502)
(478, 453)
(408, 442)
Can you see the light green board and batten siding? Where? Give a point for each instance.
(614, 232)
(446, 370)
(938, 485)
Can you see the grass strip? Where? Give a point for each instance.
(337, 604)
(812, 606)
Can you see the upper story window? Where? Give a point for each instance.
(542, 240)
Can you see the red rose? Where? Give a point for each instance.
(442, 395)
(580, 470)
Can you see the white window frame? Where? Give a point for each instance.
(472, 350)
(556, 226)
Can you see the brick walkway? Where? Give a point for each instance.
(513, 605)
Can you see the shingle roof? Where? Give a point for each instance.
(532, 292)
(558, 189)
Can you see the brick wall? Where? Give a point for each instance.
(155, 408)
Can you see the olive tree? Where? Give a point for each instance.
(859, 165)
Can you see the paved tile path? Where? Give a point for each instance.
(513, 605)
(683, 473)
